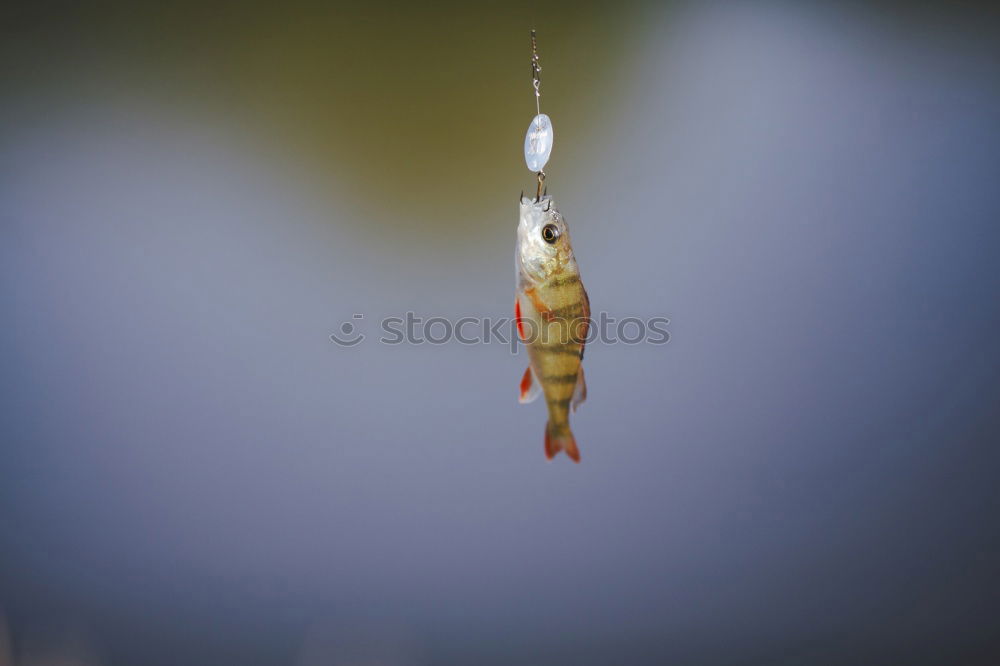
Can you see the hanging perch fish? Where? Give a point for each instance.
(553, 316)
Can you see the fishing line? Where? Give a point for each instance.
(536, 74)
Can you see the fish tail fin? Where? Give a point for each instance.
(560, 439)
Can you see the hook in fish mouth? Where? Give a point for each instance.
(544, 202)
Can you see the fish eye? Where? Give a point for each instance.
(550, 233)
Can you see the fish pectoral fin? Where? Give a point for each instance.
(544, 311)
(519, 319)
(580, 392)
(530, 387)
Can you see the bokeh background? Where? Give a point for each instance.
(194, 197)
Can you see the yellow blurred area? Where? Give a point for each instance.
(419, 110)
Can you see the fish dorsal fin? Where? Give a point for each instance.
(530, 387)
(580, 392)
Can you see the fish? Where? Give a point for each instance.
(552, 312)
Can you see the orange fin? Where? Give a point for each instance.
(560, 441)
(519, 319)
(530, 388)
(580, 392)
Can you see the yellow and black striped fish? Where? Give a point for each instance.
(553, 316)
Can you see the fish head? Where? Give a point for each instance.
(543, 245)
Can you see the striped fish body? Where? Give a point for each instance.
(553, 314)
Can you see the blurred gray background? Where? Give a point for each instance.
(192, 199)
